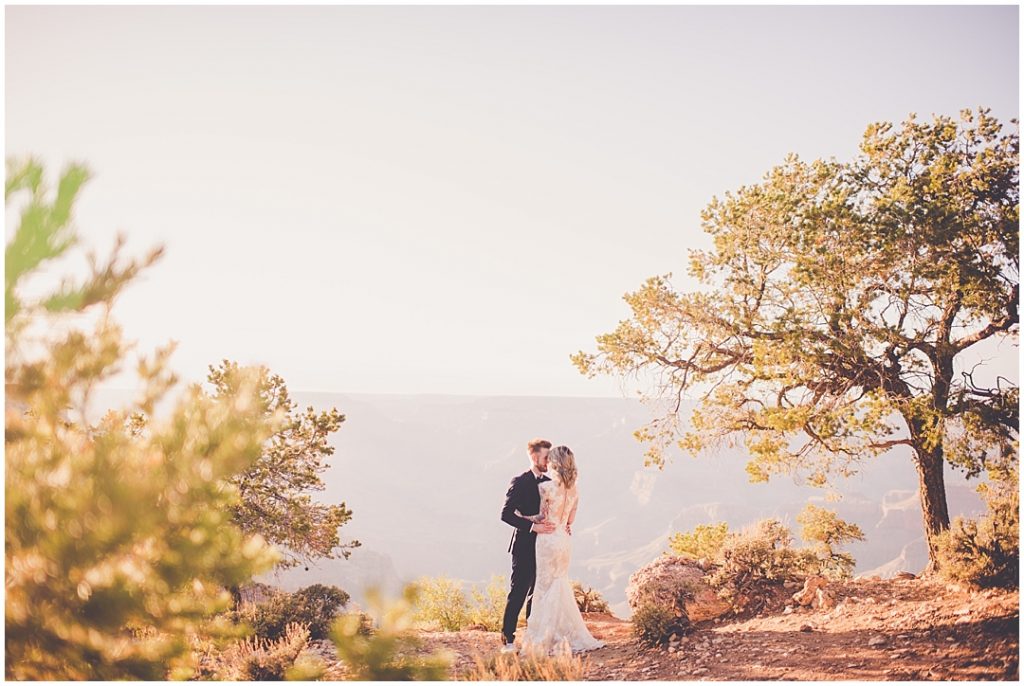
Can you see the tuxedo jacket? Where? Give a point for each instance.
(522, 495)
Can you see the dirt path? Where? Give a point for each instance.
(880, 630)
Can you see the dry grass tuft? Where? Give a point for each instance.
(528, 667)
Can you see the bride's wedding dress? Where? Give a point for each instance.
(555, 622)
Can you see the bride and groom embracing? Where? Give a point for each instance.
(542, 510)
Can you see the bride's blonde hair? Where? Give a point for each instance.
(564, 463)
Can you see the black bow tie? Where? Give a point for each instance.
(542, 478)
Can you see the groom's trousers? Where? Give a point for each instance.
(524, 574)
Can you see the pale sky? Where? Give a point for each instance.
(451, 199)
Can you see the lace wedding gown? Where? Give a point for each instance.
(555, 623)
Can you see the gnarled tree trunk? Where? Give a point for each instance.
(930, 464)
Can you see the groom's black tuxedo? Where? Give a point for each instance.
(522, 495)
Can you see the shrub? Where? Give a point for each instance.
(824, 530)
(488, 607)
(388, 653)
(259, 659)
(703, 543)
(529, 667)
(313, 606)
(756, 558)
(985, 552)
(655, 624)
(588, 599)
(362, 622)
(317, 606)
(440, 601)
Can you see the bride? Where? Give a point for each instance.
(555, 622)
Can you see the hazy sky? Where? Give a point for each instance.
(453, 199)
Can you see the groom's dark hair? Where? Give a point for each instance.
(536, 444)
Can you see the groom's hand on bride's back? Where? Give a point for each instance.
(542, 528)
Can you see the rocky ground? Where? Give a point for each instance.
(900, 629)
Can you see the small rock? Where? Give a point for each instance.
(902, 574)
(671, 649)
(700, 670)
(788, 610)
(962, 611)
(877, 641)
(870, 601)
(718, 655)
(806, 627)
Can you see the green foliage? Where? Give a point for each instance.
(276, 500)
(120, 524)
(703, 543)
(825, 531)
(314, 607)
(389, 652)
(835, 300)
(655, 624)
(588, 599)
(757, 557)
(441, 601)
(985, 552)
(488, 607)
(362, 622)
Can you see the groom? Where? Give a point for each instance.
(523, 495)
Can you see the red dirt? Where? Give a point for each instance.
(904, 630)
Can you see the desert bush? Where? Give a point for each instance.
(488, 607)
(703, 543)
(318, 605)
(529, 667)
(756, 558)
(260, 659)
(362, 622)
(655, 624)
(388, 653)
(588, 599)
(985, 552)
(825, 531)
(313, 606)
(440, 601)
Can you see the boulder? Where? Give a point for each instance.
(824, 599)
(677, 582)
(809, 593)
